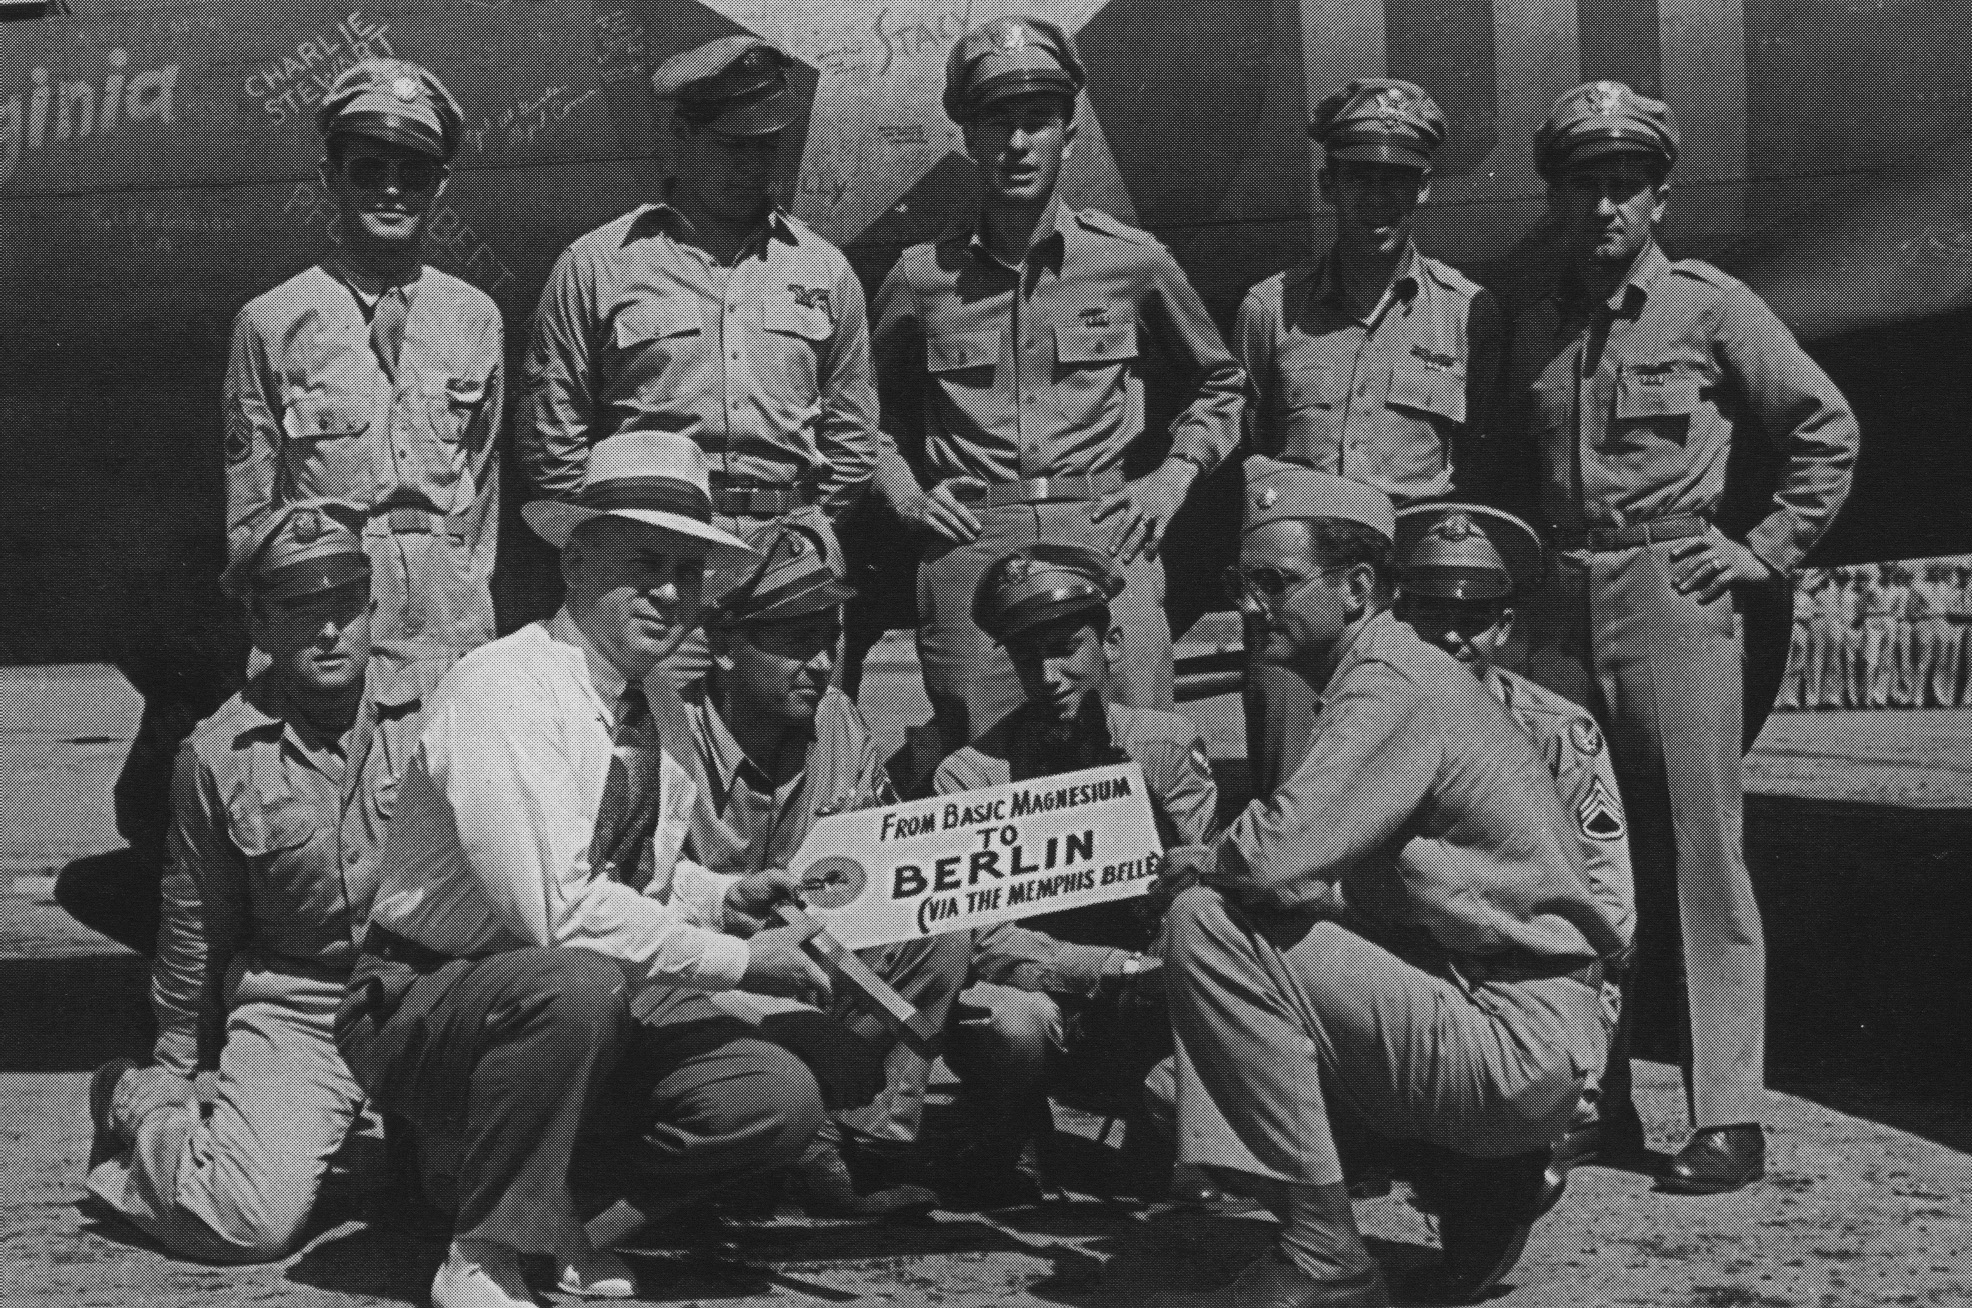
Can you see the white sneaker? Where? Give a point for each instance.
(597, 1274)
(480, 1274)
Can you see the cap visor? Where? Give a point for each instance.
(1025, 81)
(398, 131)
(554, 521)
(313, 577)
(1602, 147)
(1029, 616)
(774, 114)
(814, 599)
(1380, 152)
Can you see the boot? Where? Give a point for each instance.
(829, 1190)
(1486, 1208)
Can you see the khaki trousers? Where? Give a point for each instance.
(1281, 1018)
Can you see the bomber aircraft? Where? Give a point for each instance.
(157, 171)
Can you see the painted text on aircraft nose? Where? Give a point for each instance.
(54, 111)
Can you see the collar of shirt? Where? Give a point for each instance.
(274, 710)
(1047, 249)
(1326, 285)
(661, 218)
(727, 764)
(603, 680)
(1626, 300)
(366, 288)
(1361, 648)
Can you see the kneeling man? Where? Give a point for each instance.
(778, 747)
(1401, 938)
(278, 810)
(532, 883)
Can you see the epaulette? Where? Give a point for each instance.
(1449, 277)
(1699, 270)
(1098, 221)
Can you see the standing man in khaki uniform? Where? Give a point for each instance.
(713, 313)
(374, 378)
(1374, 363)
(1633, 378)
(1882, 604)
(1931, 599)
(1011, 360)
(1065, 997)
(278, 812)
(1427, 970)
(778, 746)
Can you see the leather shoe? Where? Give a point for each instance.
(1192, 1188)
(829, 1190)
(597, 1274)
(1274, 1282)
(1485, 1214)
(105, 1141)
(479, 1274)
(1718, 1160)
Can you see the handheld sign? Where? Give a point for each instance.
(877, 876)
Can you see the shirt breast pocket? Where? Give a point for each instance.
(263, 829)
(796, 334)
(1655, 406)
(967, 358)
(326, 453)
(656, 324)
(1089, 363)
(1313, 384)
(1428, 390)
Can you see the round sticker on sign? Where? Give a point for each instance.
(833, 882)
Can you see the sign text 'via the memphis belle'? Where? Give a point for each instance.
(881, 875)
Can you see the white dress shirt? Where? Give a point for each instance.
(489, 847)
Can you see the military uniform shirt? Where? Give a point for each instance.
(743, 824)
(1394, 401)
(765, 363)
(310, 412)
(1419, 805)
(1006, 374)
(1632, 407)
(273, 843)
(1574, 750)
(1178, 775)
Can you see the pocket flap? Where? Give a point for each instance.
(956, 350)
(1415, 384)
(654, 320)
(322, 417)
(795, 313)
(1095, 344)
(266, 828)
(1658, 394)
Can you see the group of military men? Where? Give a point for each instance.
(1881, 635)
(528, 897)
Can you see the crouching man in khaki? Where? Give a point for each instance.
(278, 810)
(532, 885)
(1401, 939)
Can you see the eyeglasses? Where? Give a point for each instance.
(1268, 585)
(371, 173)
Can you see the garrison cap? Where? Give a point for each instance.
(1604, 118)
(736, 85)
(1039, 583)
(1280, 492)
(1467, 552)
(1010, 56)
(792, 580)
(1380, 120)
(393, 101)
(301, 548)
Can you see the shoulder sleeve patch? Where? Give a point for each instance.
(239, 437)
(1598, 814)
(1585, 736)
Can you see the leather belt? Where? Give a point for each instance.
(1601, 540)
(761, 499)
(1042, 490)
(382, 942)
(417, 522)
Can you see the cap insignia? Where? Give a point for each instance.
(1603, 97)
(1265, 499)
(1456, 527)
(306, 525)
(1009, 35)
(1016, 569)
(405, 89)
(1391, 106)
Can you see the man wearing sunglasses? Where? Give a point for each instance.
(1401, 939)
(715, 313)
(374, 378)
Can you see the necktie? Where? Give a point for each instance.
(621, 846)
(387, 328)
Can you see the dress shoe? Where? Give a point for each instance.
(1274, 1282)
(1718, 1160)
(828, 1188)
(597, 1274)
(480, 1274)
(1486, 1209)
(105, 1141)
(1192, 1188)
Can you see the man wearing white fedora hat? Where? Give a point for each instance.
(531, 886)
